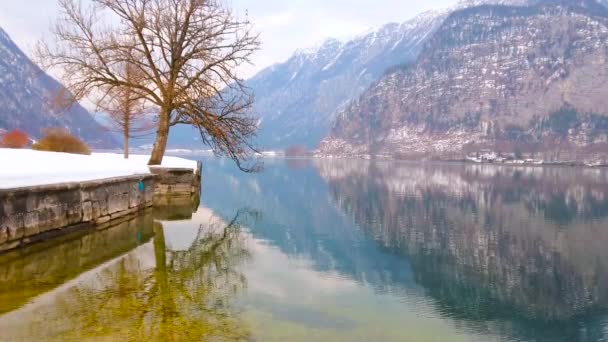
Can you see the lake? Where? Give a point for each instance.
(333, 250)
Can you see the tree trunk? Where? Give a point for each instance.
(126, 144)
(162, 135)
(161, 273)
(126, 129)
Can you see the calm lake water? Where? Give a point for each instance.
(333, 250)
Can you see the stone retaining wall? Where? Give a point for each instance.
(36, 213)
(27, 214)
(177, 182)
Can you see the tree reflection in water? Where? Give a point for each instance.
(186, 296)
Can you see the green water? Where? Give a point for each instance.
(332, 250)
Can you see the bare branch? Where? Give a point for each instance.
(186, 54)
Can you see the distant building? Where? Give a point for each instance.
(488, 156)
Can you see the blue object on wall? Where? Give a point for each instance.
(141, 186)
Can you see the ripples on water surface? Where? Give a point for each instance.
(338, 250)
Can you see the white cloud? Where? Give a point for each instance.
(274, 21)
(284, 25)
(289, 25)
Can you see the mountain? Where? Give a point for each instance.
(530, 78)
(295, 101)
(26, 93)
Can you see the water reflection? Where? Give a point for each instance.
(31, 271)
(335, 250)
(519, 245)
(161, 291)
(516, 253)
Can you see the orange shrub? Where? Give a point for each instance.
(14, 139)
(60, 140)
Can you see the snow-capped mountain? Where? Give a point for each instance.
(26, 97)
(296, 100)
(499, 77)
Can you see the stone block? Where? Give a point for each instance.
(53, 216)
(17, 204)
(70, 198)
(32, 203)
(74, 214)
(123, 213)
(45, 217)
(99, 199)
(102, 206)
(103, 219)
(7, 246)
(135, 194)
(176, 181)
(149, 194)
(117, 215)
(16, 229)
(85, 195)
(31, 224)
(95, 210)
(185, 189)
(87, 211)
(118, 202)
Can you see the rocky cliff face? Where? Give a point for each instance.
(296, 100)
(504, 77)
(26, 97)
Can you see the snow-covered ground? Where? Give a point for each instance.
(19, 168)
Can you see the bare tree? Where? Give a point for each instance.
(127, 109)
(188, 52)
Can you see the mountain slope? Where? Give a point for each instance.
(25, 96)
(501, 77)
(295, 100)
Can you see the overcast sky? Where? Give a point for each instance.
(285, 25)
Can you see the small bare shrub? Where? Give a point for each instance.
(60, 140)
(14, 139)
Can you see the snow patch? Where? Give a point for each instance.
(293, 77)
(333, 61)
(20, 168)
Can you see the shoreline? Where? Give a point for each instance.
(40, 208)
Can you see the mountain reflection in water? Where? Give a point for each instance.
(339, 250)
(517, 252)
(490, 243)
